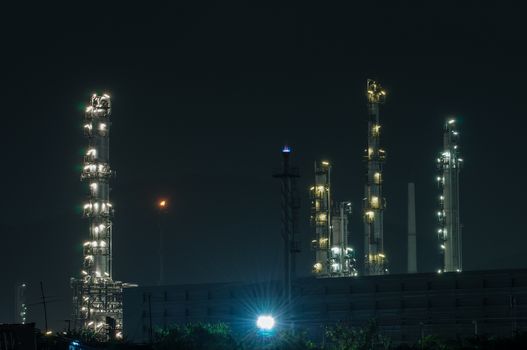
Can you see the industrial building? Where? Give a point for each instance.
(406, 307)
(97, 298)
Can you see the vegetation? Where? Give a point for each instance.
(286, 339)
(196, 336)
(219, 336)
(344, 337)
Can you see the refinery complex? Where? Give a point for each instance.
(332, 254)
(263, 176)
(98, 305)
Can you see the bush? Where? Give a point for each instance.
(196, 336)
(345, 337)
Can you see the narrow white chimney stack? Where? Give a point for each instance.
(412, 247)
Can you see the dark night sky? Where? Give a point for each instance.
(203, 99)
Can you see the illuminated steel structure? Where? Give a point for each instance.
(321, 217)
(342, 256)
(374, 203)
(97, 298)
(20, 303)
(333, 256)
(449, 232)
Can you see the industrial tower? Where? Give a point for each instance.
(290, 205)
(449, 232)
(374, 203)
(20, 303)
(321, 217)
(97, 298)
(333, 255)
(342, 256)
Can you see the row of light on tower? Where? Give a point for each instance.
(445, 160)
(102, 126)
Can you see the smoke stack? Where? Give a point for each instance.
(412, 251)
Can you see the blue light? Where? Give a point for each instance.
(265, 323)
(286, 149)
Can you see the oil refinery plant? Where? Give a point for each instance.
(339, 288)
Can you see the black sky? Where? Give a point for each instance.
(205, 95)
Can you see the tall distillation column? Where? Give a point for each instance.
(290, 205)
(374, 202)
(321, 218)
(449, 232)
(333, 255)
(342, 255)
(20, 303)
(97, 299)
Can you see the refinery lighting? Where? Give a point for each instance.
(265, 323)
(322, 217)
(376, 263)
(330, 226)
(97, 298)
(449, 231)
(163, 203)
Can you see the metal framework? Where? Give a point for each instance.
(321, 217)
(449, 231)
(333, 255)
(342, 255)
(97, 298)
(290, 205)
(375, 262)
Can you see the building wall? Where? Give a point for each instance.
(405, 306)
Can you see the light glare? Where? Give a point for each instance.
(265, 322)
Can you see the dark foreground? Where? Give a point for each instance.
(219, 337)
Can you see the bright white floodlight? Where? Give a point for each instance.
(265, 322)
